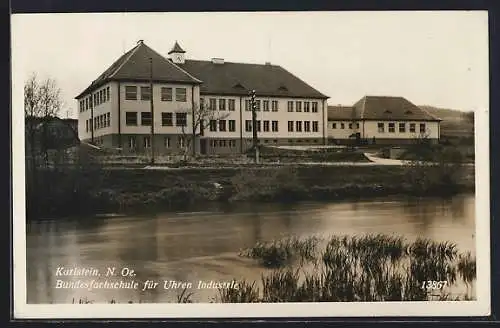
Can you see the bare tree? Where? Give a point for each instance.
(201, 116)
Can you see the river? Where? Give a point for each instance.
(202, 245)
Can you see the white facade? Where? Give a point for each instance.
(342, 129)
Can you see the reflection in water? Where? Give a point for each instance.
(203, 244)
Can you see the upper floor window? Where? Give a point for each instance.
(274, 126)
(213, 125)
(350, 125)
(130, 92)
(247, 105)
(231, 104)
(131, 118)
(380, 127)
(146, 118)
(232, 125)
(315, 126)
(181, 119)
(166, 94)
(314, 106)
(213, 102)
(307, 126)
(402, 127)
(334, 125)
(266, 126)
(274, 106)
(391, 127)
(306, 106)
(222, 104)
(298, 106)
(290, 106)
(145, 93)
(107, 93)
(167, 119)
(290, 126)
(342, 125)
(248, 125)
(222, 125)
(298, 126)
(257, 105)
(180, 94)
(265, 104)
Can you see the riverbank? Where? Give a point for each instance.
(88, 191)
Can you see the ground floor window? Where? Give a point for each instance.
(392, 128)
(422, 127)
(131, 143)
(147, 142)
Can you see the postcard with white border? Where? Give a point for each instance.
(251, 164)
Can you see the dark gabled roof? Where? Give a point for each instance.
(382, 108)
(340, 113)
(230, 78)
(176, 48)
(134, 65)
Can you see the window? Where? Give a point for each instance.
(131, 142)
(232, 125)
(222, 104)
(166, 142)
(412, 127)
(182, 142)
(107, 94)
(222, 143)
(257, 105)
(166, 94)
(334, 125)
(298, 106)
(402, 127)
(146, 118)
(274, 126)
(101, 96)
(130, 92)
(213, 104)
(265, 105)
(108, 119)
(222, 125)
(232, 143)
(391, 128)
(342, 125)
(181, 119)
(131, 118)
(147, 142)
(212, 125)
(247, 105)
(258, 126)
(290, 126)
(91, 125)
(231, 105)
(290, 106)
(315, 126)
(266, 126)
(380, 127)
(86, 103)
(180, 94)
(274, 106)
(357, 125)
(145, 93)
(307, 126)
(422, 127)
(314, 106)
(248, 125)
(306, 106)
(167, 119)
(350, 125)
(86, 125)
(213, 143)
(298, 126)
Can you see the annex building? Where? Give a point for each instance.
(115, 109)
(381, 120)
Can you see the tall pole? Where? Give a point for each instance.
(254, 125)
(152, 110)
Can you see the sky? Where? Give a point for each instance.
(430, 58)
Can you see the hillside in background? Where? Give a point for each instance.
(455, 123)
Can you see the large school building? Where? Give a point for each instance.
(115, 109)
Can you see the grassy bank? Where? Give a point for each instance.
(87, 191)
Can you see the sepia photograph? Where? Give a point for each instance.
(251, 164)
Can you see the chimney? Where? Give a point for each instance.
(140, 41)
(218, 60)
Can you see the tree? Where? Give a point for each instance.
(201, 116)
(42, 100)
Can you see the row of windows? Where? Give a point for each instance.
(212, 104)
(167, 94)
(95, 99)
(231, 125)
(167, 119)
(146, 142)
(274, 126)
(342, 125)
(101, 121)
(391, 127)
(303, 126)
(265, 105)
(222, 143)
(298, 106)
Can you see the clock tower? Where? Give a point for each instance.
(177, 54)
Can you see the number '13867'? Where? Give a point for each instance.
(432, 284)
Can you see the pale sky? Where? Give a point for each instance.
(430, 58)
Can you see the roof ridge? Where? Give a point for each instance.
(133, 50)
(179, 68)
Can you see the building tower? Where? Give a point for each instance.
(177, 54)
